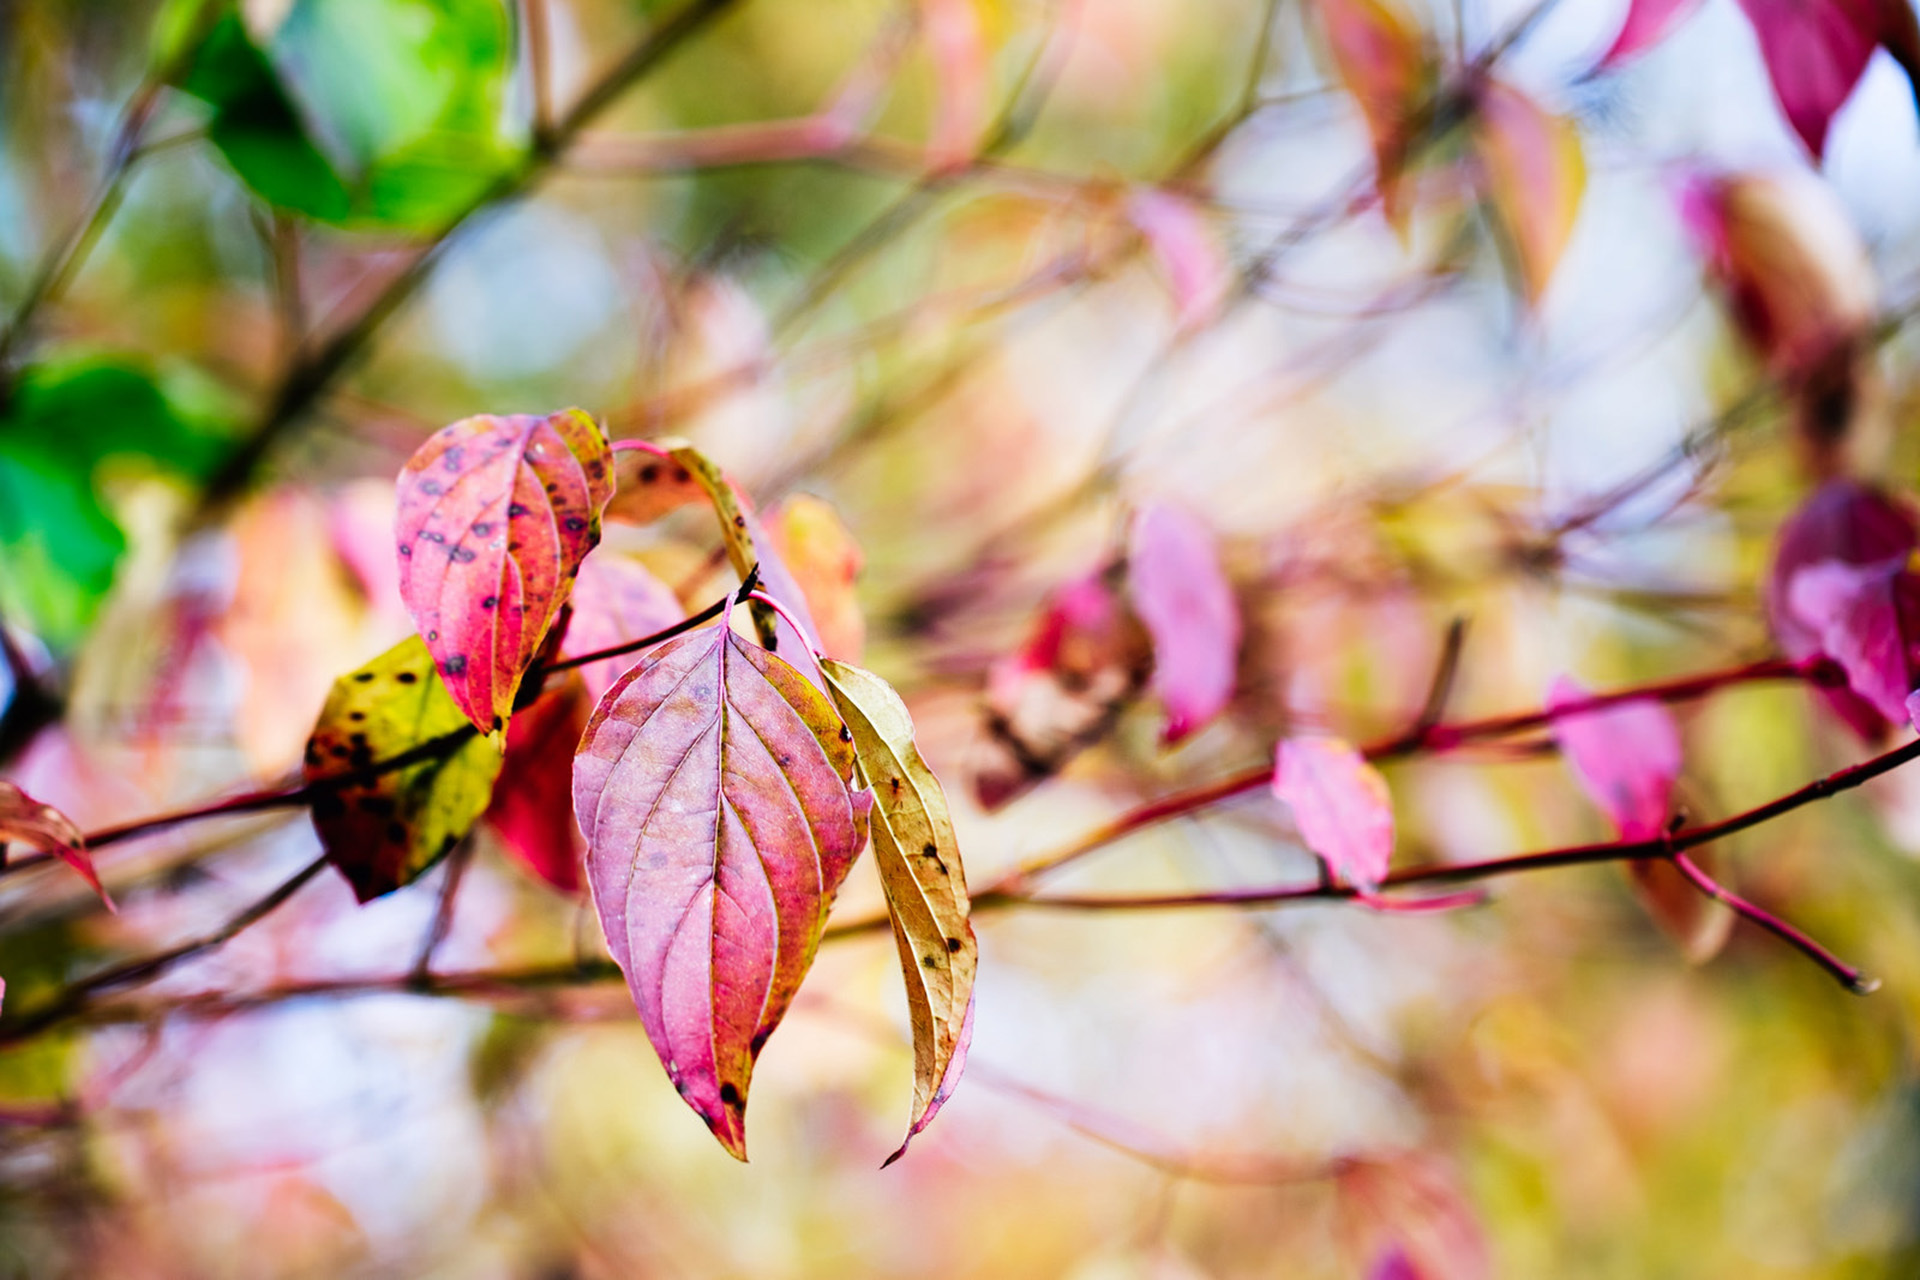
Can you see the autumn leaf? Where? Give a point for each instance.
(27, 821)
(713, 788)
(1535, 174)
(496, 514)
(650, 485)
(1341, 806)
(615, 599)
(918, 857)
(1625, 755)
(1817, 50)
(1647, 23)
(1380, 57)
(1181, 593)
(532, 807)
(1868, 621)
(1197, 270)
(383, 830)
(819, 551)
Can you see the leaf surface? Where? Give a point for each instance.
(383, 831)
(1340, 804)
(532, 805)
(918, 857)
(1626, 757)
(27, 821)
(615, 599)
(1535, 174)
(1183, 596)
(495, 516)
(713, 786)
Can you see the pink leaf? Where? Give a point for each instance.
(713, 788)
(1817, 50)
(1189, 254)
(1626, 756)
(26, 820)
(1380, 58)
(615, 599)
(1340, 804)
(496, 515)
(1394, 1264)
(1863, 616)
(1184, 598)
(1648, 23)
(531, 806)
(1535, 175)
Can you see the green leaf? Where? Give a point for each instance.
(382, 831)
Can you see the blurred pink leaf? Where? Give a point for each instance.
(1817, 50)
(1535, 175)
(360, 525)
(1626, 756)
(27, 821)
(1189, 253)
(1340, 804)
(1380, 57)
(1864, 617)
(1412, 1203)
(532, 807)
(615, 599)
(1648, 23)
(1182, 595)
(496, 514)
(818, 550)
(713, 788)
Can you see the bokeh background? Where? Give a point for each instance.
(985, 275)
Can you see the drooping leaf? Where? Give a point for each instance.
(1626, 756)
(1085, 659)
(713, 788)
(1535, 174)
(27, 821)
(1197, 270)
(1340, 804)
(1817, 50)
(918, 857)
(532, 804)
(383, 830)
(495, 516)
(1648, 22)
(1380, 57)
(615, 599)
(824, 561)
(1182, 595)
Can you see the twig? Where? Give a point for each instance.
(1849, 977)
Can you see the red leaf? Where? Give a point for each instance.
(1535, 175)
(1381, 59)
(1626, 756)
(1340, 804)
(1187, 604)
(615, 599)
(1648, 23)
(496, 514)
(713, 788)
(1817, 50)
(26, 820)
(532, 806)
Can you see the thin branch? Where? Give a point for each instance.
(443, 911)
(1848, 976)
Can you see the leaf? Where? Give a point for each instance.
(1083, 661)
(383, 831)
(1866, 618)
(1380, 58)
(532, 804)
(824, 561)
(1648, 22)
(1340, 804)
(495, 516)
(1626, 756)
(649, 487)
(1190, 257)
(1817, 50)
(1535, 175)
(28, 821)
(1183, 596)
(1411, 1203)
(615, 599)
(713, 788)
(918, 857)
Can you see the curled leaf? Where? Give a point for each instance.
(1180, 592)
(918, 857)
(496, 514)
(713, 788)
(1535, 175)
(28, 821)
(383, 826)
(532, 805)
(1340, 804)
(1626, 756)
